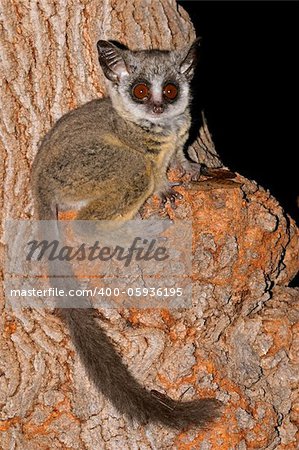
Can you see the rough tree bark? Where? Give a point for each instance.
(238, 341)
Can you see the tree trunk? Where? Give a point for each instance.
(238, 341)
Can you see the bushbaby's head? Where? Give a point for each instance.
(148, 86)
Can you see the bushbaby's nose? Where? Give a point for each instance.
(158, 108)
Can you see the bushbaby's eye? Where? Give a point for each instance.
(170, 91)
(141, 91)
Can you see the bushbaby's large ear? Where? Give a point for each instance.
(190, 59)
(111, 61)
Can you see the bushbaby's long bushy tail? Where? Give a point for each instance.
(111, 377)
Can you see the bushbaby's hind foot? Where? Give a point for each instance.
(192, 170)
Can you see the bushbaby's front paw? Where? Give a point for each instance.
(170, 194)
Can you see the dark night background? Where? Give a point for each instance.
(247, 85)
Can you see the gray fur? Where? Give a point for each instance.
(105, 159)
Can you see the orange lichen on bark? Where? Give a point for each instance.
(218, 435)
(134, 315)
(6, 424)
(10, 327)
(67, 215)
(280, 332)
(167, 317)
(61, 409)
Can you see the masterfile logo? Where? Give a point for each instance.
(86, 263)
